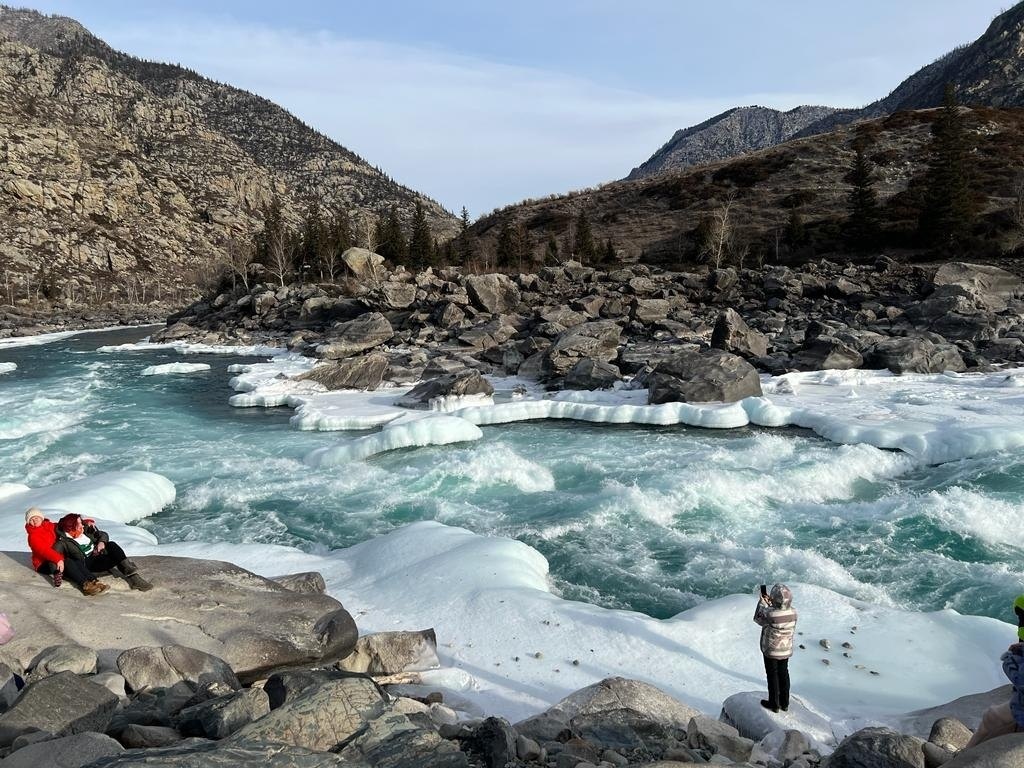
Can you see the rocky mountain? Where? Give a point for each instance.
(987, 72)
(119, 175)
(734, 132)
(658, 220)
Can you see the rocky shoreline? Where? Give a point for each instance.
(34, 320)
(292, 684)
(686, 336)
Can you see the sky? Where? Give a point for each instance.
(483, 104)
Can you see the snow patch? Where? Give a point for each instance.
(167, 368)
(430, 430)
(8, 367)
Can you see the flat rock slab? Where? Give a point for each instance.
(62, 704)
(68, 752)
(252, 623)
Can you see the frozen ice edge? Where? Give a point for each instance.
(934, 418)
(507, 643)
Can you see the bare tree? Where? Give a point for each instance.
(280, 255)
(239, 254)
(720, 236)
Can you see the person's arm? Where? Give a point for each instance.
(761, 613)
(46, 552)
(95, 534)
(1012, 664)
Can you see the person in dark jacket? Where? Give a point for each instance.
(777, 619)
(100, 553)
(1002, 719)
(49, 557)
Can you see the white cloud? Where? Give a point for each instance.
(464, 130)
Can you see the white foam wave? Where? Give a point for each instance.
(500, 465)
(430, 430)
(169, 368)
(974, 514)
(8, 367)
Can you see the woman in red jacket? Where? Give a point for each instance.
(47, 557)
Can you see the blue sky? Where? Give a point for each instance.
(485, 103)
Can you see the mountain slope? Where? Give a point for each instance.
(734, 132)
(116, 169)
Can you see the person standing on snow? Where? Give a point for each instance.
(777, 618)
(1001, 719)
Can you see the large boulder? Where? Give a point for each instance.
(364, 372)
(616, 710)
(387, 653)
(366, 266)
(320, 718)
(493, 293)
(148, 667)
(703, 377)
(467, 382)
(732, 334)
(744, 712)
(826, 353)
(355, 336)
(326, 310)
(62, 704)
(878, 748)
(718, 738)
(392, 740)
(597, 340)
(914, 354)
(220, 717)
(62, 658)
(592, 374)
(391, 295)
(990, 284)
(252, 623)
(67, 752)
(1001, 752)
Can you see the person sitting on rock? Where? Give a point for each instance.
(1001, 719)
(777, 618)
(100, 553)
(48, 555)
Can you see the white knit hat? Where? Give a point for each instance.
(33, 512)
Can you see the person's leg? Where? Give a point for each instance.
(771, 670)
(49, 569)
(128, 569)
(110, 558)
(783, 684)
(77, 572)
(997, 721)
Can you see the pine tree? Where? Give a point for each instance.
(862, 222)
(583, 244)
(391, 242)
(947, 216)
(608, 257)
(420, 243)
(514, 246)
(466, 245)
(313, 241)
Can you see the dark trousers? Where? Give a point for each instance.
(111, 557)
(777, 671)
(75, 571)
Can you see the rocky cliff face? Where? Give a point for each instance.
(119, 175)
(734, 132)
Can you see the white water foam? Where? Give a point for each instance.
(8, 367)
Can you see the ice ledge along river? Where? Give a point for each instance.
(573, 519)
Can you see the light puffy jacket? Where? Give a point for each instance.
(1013, 668)
(778, 623)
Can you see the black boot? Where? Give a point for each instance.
(130, 571)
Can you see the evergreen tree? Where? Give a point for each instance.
(551, 251)
(862, 222)
(514, 246)
(391, 242)
(421, 243)
(796, 231)
(313, 242)
(466, 246)
(608, 256)
(947, 216)
(584, 248)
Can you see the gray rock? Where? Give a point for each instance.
(365, 372)
(392, 740)
(62, 704)
(193, 753)
(449, 316)
(950, 734)
(993, 284)
(364, 265)
(73, 751)
(826, 353)
(325, 310)
(592, 374)
(387, 653)
(355, 336)
(703, 377)
(719, 738)
(494, 293)
(648, 311)
(219, 718)
(147, 736)
(148, 667)
(320, 718)
(967, 709)
(1002, 752)
(467, 382)
(597, 340)
(495, 740)
(934, 755)
(732, 334)
(878, 748)
(8, 687)
(288, 684)
(392, 295)
(112, 681)
(306, 583)
(914, 354)
(527, 749)
(62, 658)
